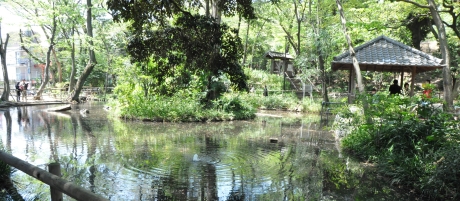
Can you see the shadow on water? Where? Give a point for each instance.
(277, 156)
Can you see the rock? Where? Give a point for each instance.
(195, 158)
(107, 108)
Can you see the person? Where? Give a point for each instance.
(395, 88)
(427, 89)
(23, 86)
(406, 89)
(18, 91)
(265, 90)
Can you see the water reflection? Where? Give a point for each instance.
(270, 158)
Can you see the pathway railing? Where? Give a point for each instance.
(55, 182)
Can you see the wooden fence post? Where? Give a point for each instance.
(55, 168)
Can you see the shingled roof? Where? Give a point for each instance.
(388, 55)
(278, 55)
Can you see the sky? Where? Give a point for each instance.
(10, 22)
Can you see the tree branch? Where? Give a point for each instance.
(414, 3)
(27, 50)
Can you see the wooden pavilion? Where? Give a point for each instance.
(384, 54)
(278, 62)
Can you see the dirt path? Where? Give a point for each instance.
(46, 100)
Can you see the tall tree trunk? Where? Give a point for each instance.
(207, 8)
(48, 56)
(351, 50)
(92, 58)
(323, 77)
(319, 50)
(46, 73)
(299, 15)
(443, 46)
(58, 65)
(246, 44)
(74, 68)
(216, 13)
(254, 44)
(6, 81)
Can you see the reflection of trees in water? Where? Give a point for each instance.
(53, 142)
(8, 130)
(92, 147)
(209, 185)
(74, 126)
(161, 171)
(7, 188)
(19, 117)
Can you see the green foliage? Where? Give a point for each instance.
(190, 44)
(260, 78)
(406, 137)
(337, 173)
(443, 183)
(194, 45)
(183, 106)
(234, 104)
(147, 14)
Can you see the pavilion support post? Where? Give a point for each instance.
(401, 81)
(412, 81)
(272, 67)
(352, 88)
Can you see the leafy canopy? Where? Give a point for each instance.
(189, 44)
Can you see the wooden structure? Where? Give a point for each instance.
(384, 54)
(54, 181)
(280, 62)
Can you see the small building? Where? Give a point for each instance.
(384, 54)
(278, 62)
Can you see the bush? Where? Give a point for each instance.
(407, 139)
(181, 107)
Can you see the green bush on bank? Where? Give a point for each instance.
(130, 101)
(186, 107)
(182, 106)
(412, 143)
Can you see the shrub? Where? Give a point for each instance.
(406, 139)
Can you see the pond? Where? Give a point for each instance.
(277, 156)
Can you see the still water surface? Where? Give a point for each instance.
(277, 156)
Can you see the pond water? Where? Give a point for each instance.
(277, 156)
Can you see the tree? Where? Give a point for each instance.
(320, 46)
(286, 12)
(351, 50)
(451, 9)
(92, 57)
(419, 24)
(6, 82)
(443, 46)
(48, 53)
(189, 44)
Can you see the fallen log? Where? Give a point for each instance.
(59, 109)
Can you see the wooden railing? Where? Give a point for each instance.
(55, 182)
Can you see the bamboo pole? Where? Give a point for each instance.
(52, 180)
